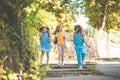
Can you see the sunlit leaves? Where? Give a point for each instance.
(98, 11)
(56, 7)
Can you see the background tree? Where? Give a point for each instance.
(102, 14)
(56, 7)
(12, 35)
(19, 20)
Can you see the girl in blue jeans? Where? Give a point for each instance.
(78, 39)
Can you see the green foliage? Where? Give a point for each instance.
(56, 7)
(8, 74)
(19, 20)
(33, 73)
(96, 11)
(90, 68)
(3, 48)
(40, 18)
(102, 14)
(13, 36)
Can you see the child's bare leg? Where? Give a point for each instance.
(59, 55)
(42, 55)
(47, 58)
(62, 50)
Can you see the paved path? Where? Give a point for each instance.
(84, 77)
(111, 69)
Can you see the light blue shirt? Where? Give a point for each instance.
(78, 39)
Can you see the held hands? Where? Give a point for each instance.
(49, 39)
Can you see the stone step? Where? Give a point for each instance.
(69, 66)
(64, 70)
(70, 72)
(83, 77)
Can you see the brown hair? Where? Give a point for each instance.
(57, 28)
(78, 28)
(48, 30)
(41, 29)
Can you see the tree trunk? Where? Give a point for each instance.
(101, 24)
(104, 10)
(1, 64)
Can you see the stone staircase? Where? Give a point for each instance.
(70, 70)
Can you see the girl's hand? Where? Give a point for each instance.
(40, 42)
(49, 39)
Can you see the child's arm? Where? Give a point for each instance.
(85, 39)
(70, 37)
(40, 38)
(49, 37)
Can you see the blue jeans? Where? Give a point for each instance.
(80, 53)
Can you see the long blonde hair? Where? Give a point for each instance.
(57, 28)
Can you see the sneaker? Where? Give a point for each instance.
(62, 64)
(59, 64)
(80, 67)
(83, 63)
(47, 63)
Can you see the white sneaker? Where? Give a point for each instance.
(83, 63)
(62, 64)
(59, 64)
(80, 67)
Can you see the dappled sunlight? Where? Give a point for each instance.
(20, 21)
(104, 45)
